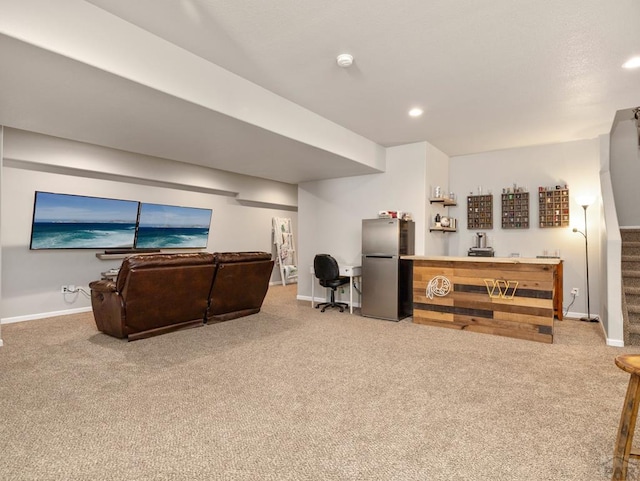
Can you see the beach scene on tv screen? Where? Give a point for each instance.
(166, 226)
(63, 221)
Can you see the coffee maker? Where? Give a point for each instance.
(480, 249)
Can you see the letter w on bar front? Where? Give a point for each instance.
(500, 288)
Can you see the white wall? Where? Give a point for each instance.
(1, 188)
(610, 253)
(31, 280)
(576, 164)
(611, 267)
(625, 172)
(437, 174)
(331, 211)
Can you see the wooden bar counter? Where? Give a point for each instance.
(514, 297)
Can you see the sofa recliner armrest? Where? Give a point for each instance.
(108, 308)
(103, 285)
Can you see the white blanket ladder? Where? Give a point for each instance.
(285, 250)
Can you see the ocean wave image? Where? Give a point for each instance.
(172, 237)
(82, 235)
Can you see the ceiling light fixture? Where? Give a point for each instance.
(632, 63)
(345, 60)
(416, 112)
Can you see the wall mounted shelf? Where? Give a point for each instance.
(515, 210)
(442, 229)
(480, 212)
(105, 257)
(553, 207)
(445, 202)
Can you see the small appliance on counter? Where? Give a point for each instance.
(481, 249)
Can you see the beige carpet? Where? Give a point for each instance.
(294, 394)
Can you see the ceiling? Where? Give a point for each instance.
(508, 74)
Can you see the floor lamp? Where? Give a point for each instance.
(586, 202)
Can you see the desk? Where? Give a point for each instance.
(350, 271)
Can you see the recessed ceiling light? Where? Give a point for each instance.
(632, 63)
(344, 60)
(416, 112)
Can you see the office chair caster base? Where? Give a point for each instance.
(338, 305)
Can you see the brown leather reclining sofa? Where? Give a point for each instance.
(158, 293)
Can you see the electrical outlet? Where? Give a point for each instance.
(68, 289)
(575, 291)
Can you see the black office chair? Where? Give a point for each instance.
(326, 270)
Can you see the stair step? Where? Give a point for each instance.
(631, 283)
(632, 299)
(631, 273)
(630, 234)
(630, 264)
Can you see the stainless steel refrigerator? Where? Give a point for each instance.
(386, 279)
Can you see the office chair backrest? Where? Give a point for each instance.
(326, 267)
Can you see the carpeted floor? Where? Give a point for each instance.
(295, 394)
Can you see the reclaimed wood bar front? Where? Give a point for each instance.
(514, 297)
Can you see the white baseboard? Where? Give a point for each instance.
(609, 341)
(43, 315)
(279, 283)
(317, 299)
(580, 315)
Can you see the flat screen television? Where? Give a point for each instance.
(65, 221)
(167, 226)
